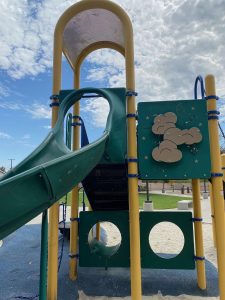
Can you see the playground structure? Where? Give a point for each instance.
(109, 167)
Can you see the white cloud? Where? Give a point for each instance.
(4, 135)
(175, 40)
(99, 109)
(222, 112)
(26, 30)
(47, 127)
(26, 136)
(4, 91)
(170, 49)
(37, 111)
(10, 105)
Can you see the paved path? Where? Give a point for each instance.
(19, 271)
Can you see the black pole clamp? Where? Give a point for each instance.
(75, 219)
(201, 258)
(212, 97)
(216, 174)
(54, 104)
(130, 93)
(73, 255)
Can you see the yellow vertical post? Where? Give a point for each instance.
(135, 262)
(75, 193)
(53, 251)
(200, 263)
(217, 185)
(98, 231)
(223, 167)
(212, 214)
(54, 209)
(135, 253)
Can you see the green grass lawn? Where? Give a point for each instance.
(80, 199)
(159, 201)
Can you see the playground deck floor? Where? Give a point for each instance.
(19, 272)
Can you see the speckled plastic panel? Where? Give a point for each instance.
(96, 254)
(173, 140)
(90, 27)
(150, 259)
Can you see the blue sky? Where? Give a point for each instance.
(174, 42)
(26, 115)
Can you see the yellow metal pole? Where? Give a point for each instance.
(53, 251)
(75, 192)
(135, 253)
(223, 166)
(217, 185)
(212, 214)
(98, 231)
(136, 293)
(54, 209)
(201, 277)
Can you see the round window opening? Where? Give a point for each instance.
(166, 240)
(104, 241)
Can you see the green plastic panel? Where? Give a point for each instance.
(116, 148)
(185, 259)
(173, 140)
(96, 254)
(52, 170)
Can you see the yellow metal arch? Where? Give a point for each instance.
(72, 12)
(128, 52)
(96, 46)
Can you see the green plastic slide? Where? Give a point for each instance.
(52, 170)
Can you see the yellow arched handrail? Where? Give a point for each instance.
(81, 6)
(128, 52)
(93, 47)
(75, 10)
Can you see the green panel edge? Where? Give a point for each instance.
(116, 147)
(90, 258)
(195, 162)
(185, 259)
(87, 258)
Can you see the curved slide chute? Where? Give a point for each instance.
(52, 170)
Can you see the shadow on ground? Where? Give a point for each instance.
(116, 282)
(19, 266)
(19, 274)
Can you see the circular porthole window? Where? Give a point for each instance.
(104, 242)
(166, 240)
